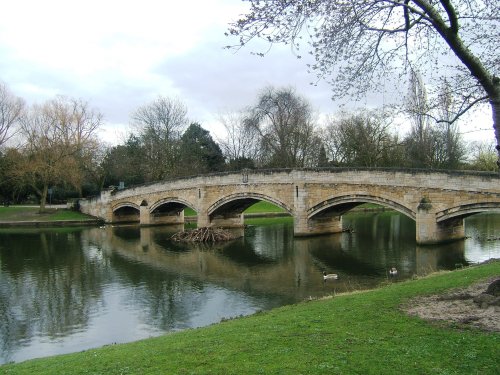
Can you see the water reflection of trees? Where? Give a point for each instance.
(271, 270)
(334, 258)
(47, 286)
(261, 246)
(269, 259)
(274, 242)
(383, 240)
(443, 257)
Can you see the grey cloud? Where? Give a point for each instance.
(217, 78)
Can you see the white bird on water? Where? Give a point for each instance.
(329, 276)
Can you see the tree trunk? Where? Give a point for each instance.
(43, 197)
(495, 109)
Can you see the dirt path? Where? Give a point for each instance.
(458, 307)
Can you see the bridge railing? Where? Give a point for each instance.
(265, 171)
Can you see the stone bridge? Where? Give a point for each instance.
(438, 201)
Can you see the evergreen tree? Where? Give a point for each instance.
(199, 152)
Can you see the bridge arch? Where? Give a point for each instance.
(122, 205)
(173, 202)
(239, 202)
(341, 204)
(126, 212)
(167, 210)
(228, 210)
(465, 210)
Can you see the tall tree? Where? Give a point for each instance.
(421, 142)
(322, 157)
(160, 124)
(240, 146)
(54, 135)
(434, 140)
(78, 123)
(452, 148)
(284, 123)
(11, 108)
(11, 187)
(199, 152)
(357, 43)
(361, 139)
(92, 165)
(124, 163)
(482, 156)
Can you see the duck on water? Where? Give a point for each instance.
(329, 276)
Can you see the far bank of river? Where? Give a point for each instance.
(60, 216)
(52, 216)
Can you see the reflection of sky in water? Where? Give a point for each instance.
(483, 237)
(480, 251)
(120, 319)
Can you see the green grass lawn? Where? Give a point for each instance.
(15, 212)
(259, 207)
(359, 333)
(188, 211)
(269, 220)
(263, 207)
(23, 213)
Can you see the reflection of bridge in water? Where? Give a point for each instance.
(291, 275)
(437, 201)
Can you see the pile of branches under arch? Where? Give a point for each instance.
(203, 234)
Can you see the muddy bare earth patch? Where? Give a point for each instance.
(477, 306)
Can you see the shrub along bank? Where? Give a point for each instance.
(359, 333)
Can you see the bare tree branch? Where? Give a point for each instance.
(358, 43)
(11, 109)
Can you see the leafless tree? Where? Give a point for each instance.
(284, 123)
(56, 137)
(11, 108)
(421, 142)
(434, 140)
(160, 124)
(452, 149)
(77, 124)
(361, 139)
(92, 159)
(357, 43)
(240, 145)
(482, 155)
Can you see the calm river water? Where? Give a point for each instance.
(67, 290)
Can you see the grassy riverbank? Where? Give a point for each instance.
(360, 333)
(261, 207)
(31, 214)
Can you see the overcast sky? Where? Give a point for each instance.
(121, 54)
